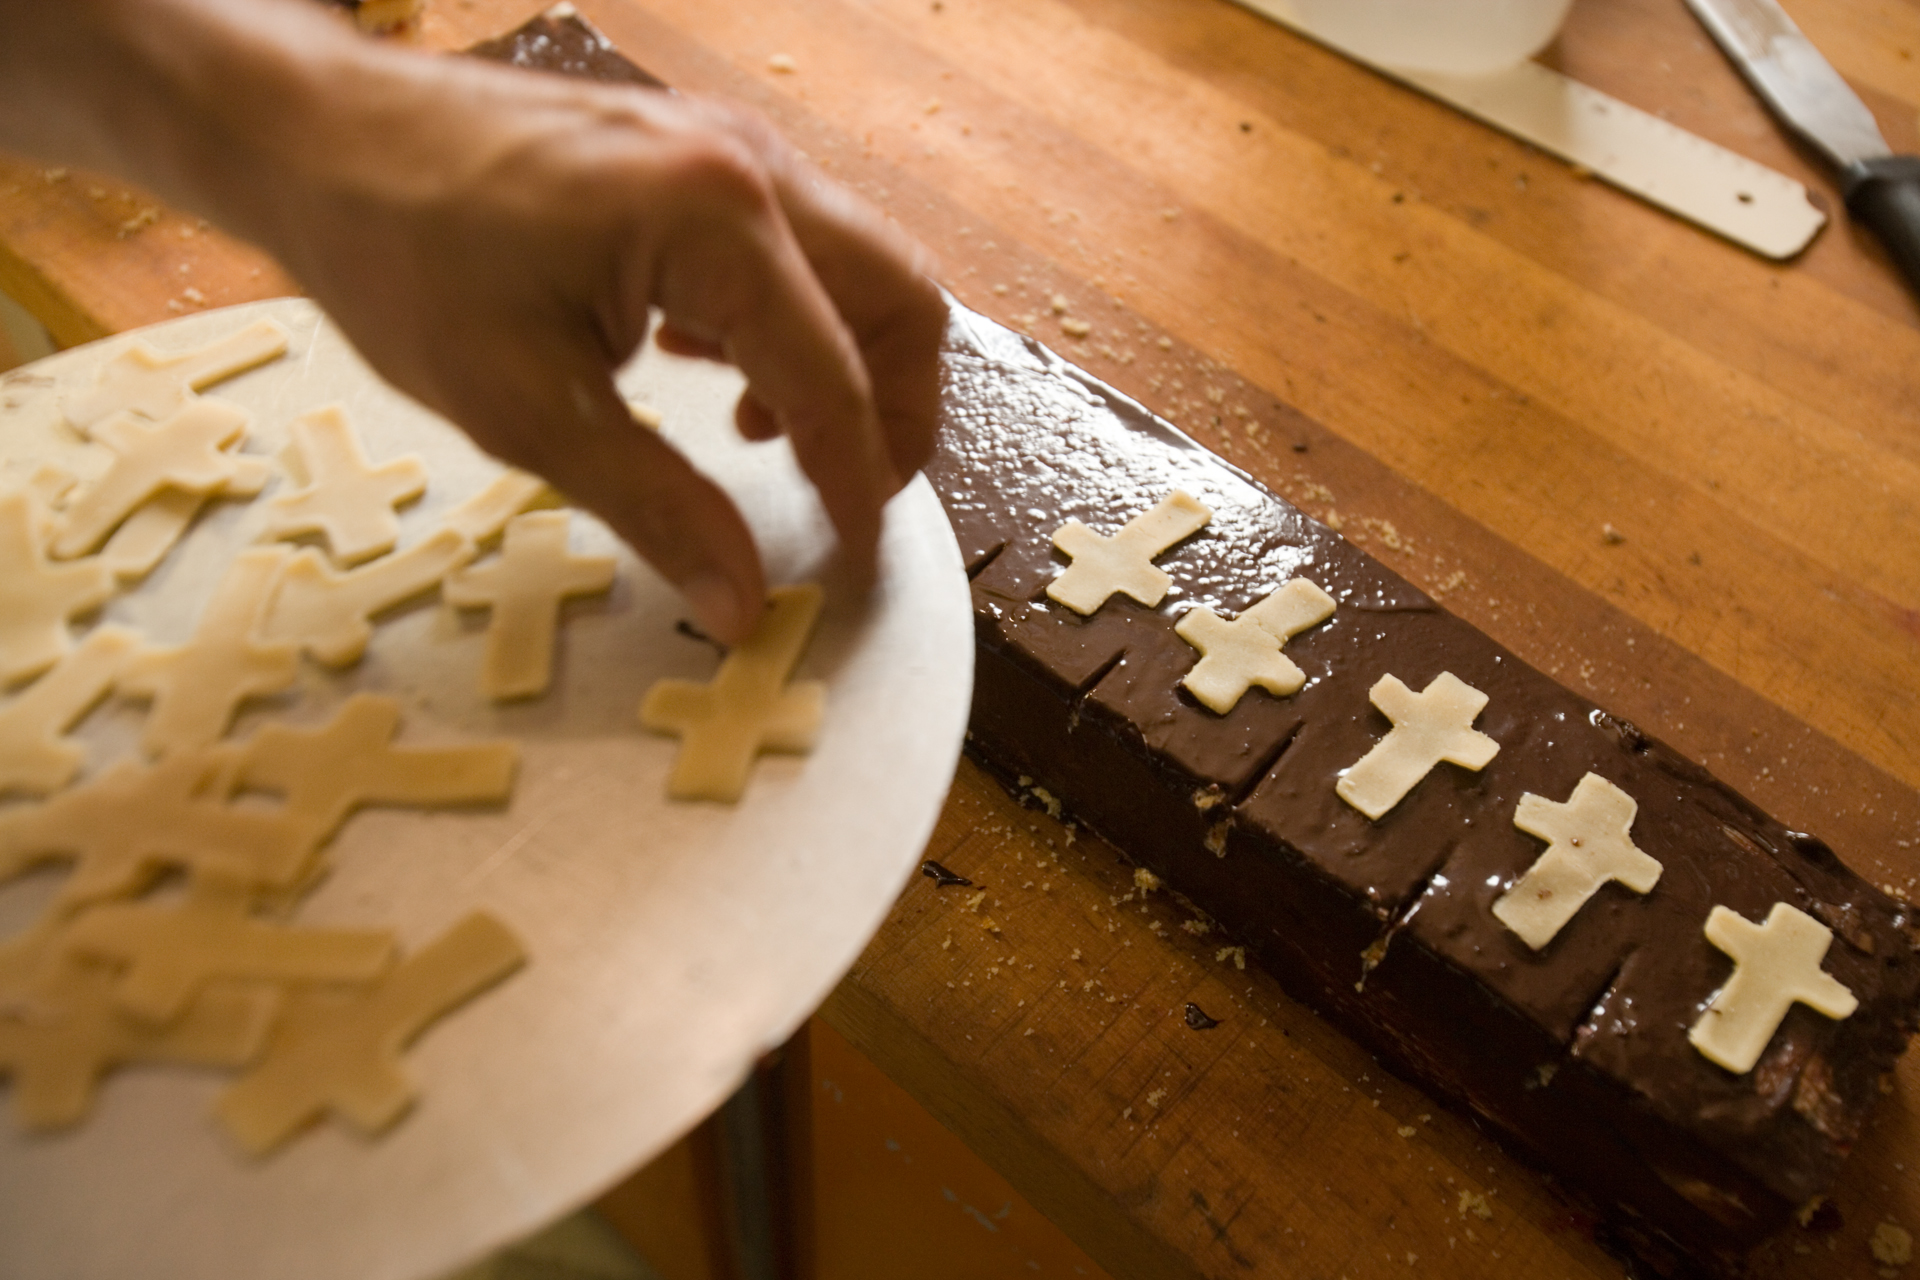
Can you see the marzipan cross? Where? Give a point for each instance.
(171, 953)
(1433, 725)
(189, 450)
(56, 1058)
(37, 597)
(144, 381)
(35, 755)
(346, 498)
(1587, 845)
(1774, 965)
(196, 687)
(1237, 655)
(341, 1053)
(1124, 562)
(747, 708)
(331, 613)
(124, 827)
(326, 773)
(524, 587)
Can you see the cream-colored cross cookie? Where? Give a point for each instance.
(341, 1053)
(196, 687)
(482, 516)
(524, 588)
(56, 1059)
(149, 532)
(156, 385)
(330, 613)
(1124, 562)
(1433, 725)
(27, 959)
(346, 498)
(150, 529)
(1235, 656)
(35, 756)
(1587, 845)
(747, 708)
(124, 827)
(186, 451)
(36, 596)
(171, 953)
(1774, 965)
(324, 774)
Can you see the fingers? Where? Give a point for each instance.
(524, 274)
(754, 420)
(678, 520)
(873, 273)
(731, 274)
(902, 351)
(879, 281)
(677, 342)
(805, 376)
(574, 430)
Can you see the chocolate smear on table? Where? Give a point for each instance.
(1197, 1018)
(941, 876)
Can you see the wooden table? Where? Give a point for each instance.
(1471, 357)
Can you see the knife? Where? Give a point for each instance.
(1881, 189)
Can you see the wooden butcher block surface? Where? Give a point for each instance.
(1684, 480)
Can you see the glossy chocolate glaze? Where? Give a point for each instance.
(1579, 1050)
(561, 41)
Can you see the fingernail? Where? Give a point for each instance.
(717, 606)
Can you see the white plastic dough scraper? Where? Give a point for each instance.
(1756, 207)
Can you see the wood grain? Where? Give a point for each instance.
(1465, 353)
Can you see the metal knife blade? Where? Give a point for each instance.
(1803, 90)
(1788, 72)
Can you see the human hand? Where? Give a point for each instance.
(493, 242)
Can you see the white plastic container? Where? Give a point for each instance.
(1453, 37)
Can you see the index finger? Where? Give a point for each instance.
(734, 273)
(551, 407)
(878, 278)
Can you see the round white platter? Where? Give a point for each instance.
(671, 944)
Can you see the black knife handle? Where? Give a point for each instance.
(1885, 194)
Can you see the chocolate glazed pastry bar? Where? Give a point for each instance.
(1666, 997)
(1662, 994)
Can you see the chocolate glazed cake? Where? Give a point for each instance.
(1578, 1051)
